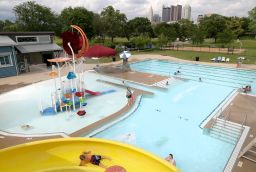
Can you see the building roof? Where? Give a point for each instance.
(25, 33)
(32, 48)
(6, 41)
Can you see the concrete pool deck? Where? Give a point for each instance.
(243, 103)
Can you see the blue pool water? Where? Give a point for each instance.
(230, 77)
(169, 121)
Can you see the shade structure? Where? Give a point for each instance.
(125, 55)
(100, 51)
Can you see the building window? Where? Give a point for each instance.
(5, 60)
(26, 39)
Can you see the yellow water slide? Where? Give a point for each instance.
(62, 155)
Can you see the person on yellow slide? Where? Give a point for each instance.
(87, 157)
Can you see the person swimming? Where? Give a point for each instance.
(170, 159)
(26, 126)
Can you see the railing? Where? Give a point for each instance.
(245, 119)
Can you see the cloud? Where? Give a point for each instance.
(134, 8)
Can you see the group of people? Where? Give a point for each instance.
(176, 73)
(247, 88)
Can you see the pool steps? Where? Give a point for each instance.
(226, 131)
(162, 84)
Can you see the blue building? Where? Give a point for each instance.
(8, 63)
(19, 50)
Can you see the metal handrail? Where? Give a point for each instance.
(245, 119)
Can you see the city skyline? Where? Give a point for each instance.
(139, 8)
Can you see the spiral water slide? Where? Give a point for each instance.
(62, 155)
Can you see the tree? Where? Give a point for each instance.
(140, 25)
(244, 21)
(113, 22)
(79, 16)
(9, 26)
(213, 25)
(140, 41)
(235, 24)
(168, 30)
(31, 16)
(197, 35)
(162, 40)
(252, 17)
(1, 25)
(97, 24)
(225, 37)
(185, 29)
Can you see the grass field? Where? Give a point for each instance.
(248, 45)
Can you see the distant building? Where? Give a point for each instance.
(150, 15)
(186, 12)
(18, 50)
(199, 18)
(156, 18)
(166, 13)
(179, 12)
(175, 13)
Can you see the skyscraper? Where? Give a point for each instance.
(166, 13)
(179, 12)
(175, 12)
(150, 15)
(186, 12)
(156, 18)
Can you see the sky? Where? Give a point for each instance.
(139, 8)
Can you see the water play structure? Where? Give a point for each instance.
(69, 92)
(61, 155)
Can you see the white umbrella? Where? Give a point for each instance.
(125, 55)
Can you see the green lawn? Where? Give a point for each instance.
(248, 45)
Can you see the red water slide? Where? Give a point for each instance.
(92, 92)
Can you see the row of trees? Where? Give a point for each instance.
(31, 16)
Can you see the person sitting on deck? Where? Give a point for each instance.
(87, 157)
(170, 159)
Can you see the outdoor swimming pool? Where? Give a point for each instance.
(169, 122)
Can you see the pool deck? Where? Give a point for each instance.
(240, 105)
(243, 105)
